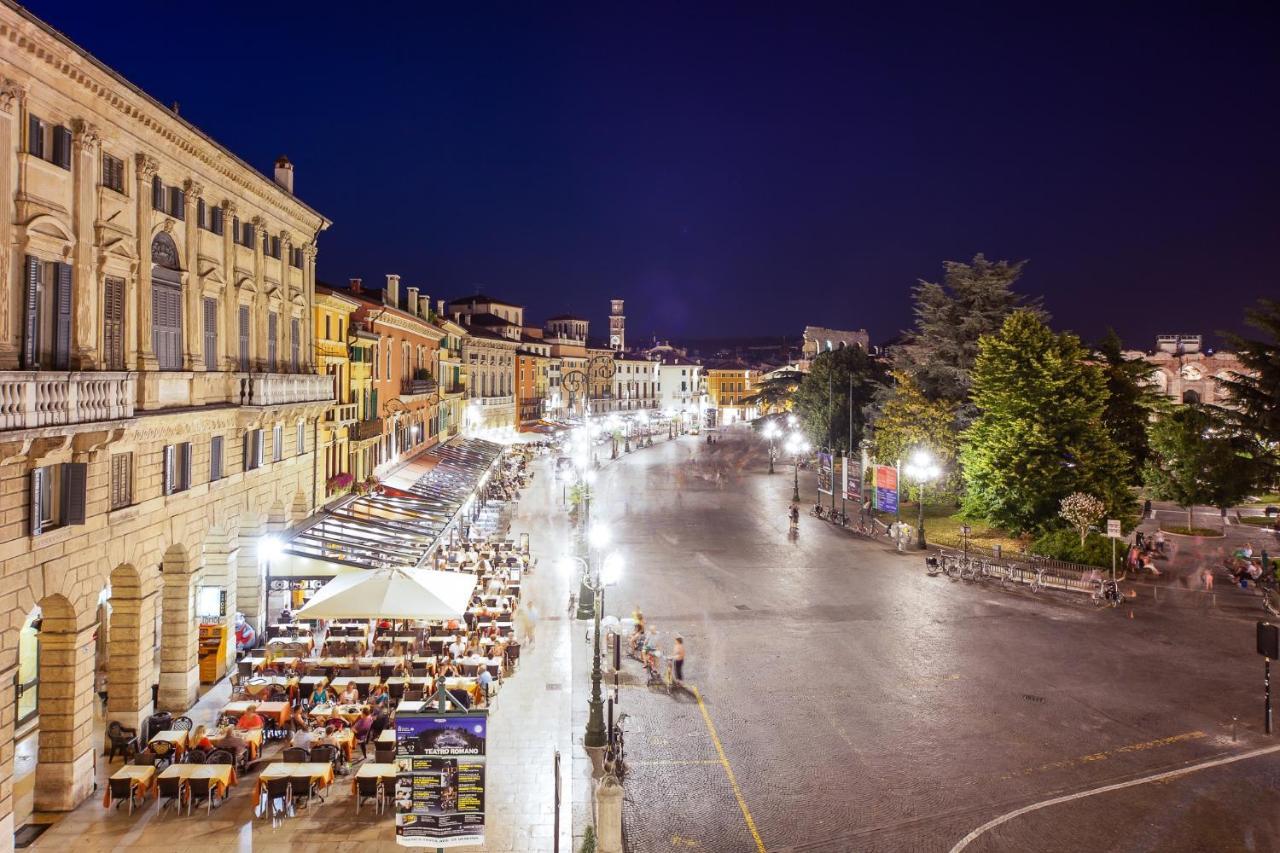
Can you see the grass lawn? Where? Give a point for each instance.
(1258, 520)
(1273, 498)
(942, 523)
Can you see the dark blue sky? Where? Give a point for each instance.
(729, 171)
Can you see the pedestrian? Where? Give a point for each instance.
(677, 657)
(1141, 541)
(1208, 578)
(1160, 541)
(531, 615)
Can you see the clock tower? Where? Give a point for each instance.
(617, 326)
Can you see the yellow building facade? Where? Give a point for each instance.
(332, 328)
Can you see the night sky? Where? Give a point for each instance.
(731, 172)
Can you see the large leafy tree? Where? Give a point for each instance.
(1038, 435)
(774, 394)
(837, 390)
(1199, 458)
(1255, 390)
(908, 419)
(971, 301)
(1131, 400)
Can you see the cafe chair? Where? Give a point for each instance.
(122, 741)
(276, 791)
(384, 754)
(296, 755)
(169, 792)
(326, 753)
(124, 789)
(225, 756)
(201, 789)
(163, 752)
(304, 789)
(196, 756)
(370, 789)
(182, 724)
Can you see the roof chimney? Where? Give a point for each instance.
(413, 301)
(356, 286)
(424, 307)
(440, 308)
(284, 173)
(391, 296)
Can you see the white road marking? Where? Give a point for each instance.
(1005, 818)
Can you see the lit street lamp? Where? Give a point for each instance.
(797, 446)
(608, 572)
(772, 432)
(922, 469)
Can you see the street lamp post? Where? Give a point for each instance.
(607, 572)
(797, 447)
(772, 432)
(922, 469)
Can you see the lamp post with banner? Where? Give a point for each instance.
(922, 469)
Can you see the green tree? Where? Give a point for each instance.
(1131, 400)
(1199, 458)
(972, 300)
(1038, 435)
(908, 419)
(823, 402)
(774, 394)
(1255, 391)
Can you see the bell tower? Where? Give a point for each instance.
(617, 325)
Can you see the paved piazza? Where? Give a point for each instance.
(861, 705)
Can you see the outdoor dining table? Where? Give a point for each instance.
(372, 770)
(318, 773)
(277, 712)
(324, 662)
(387, 737)
(223, 775)
(177, 737)
(258, 684)
(283, 661)
(350, 713)
(252, 737)
(142, 775)
(345, 740)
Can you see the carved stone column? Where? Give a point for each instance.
(231, 295)
(260, 301)
(192, 306)
(12, 95)
(64, 772)
(140, 305)
(179, 637)
(86, 354)
(309, 285)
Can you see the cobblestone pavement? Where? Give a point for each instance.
(860, 705)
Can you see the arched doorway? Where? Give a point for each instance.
(166, 303)
(1191, 396)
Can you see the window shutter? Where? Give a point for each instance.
(74, 475)
(37, 493)
(215, 220)
(62, 331)
(235, 229)
(31, 320)
(169, 469)
(201, 221)
(215, 458)
(294, 332)
(302, 438)
(272, 324)
(244, 337)
(157, 193)
(210, 333)
(113, 323)
(177, 202)
(186, 466)
(260, 447)
(62, 147)
(35, 137)
(246, 453)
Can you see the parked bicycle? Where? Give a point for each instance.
(1107, 594)
(615, 756)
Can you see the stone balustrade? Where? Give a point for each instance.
(341, 414)
(160, 390)
(277, 389)
(507, 400)
(37, 398)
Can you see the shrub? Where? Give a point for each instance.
(1064, 544)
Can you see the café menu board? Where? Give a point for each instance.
(439, 793)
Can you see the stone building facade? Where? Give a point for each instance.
(1183, 370)
(160, 404)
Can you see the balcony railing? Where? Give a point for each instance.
(453, 388)
(342, 414)
(364, 430)
(276, 389)
(418, 387)
(31, 398)
(496, 401)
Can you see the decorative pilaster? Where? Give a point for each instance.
(250, 597)
(86, 354)
(140, 304)
(231, 295)
(260, 301)
(131, 664)
(12, 95)
(221, 556)
(192, 309)
(179, 637)
(309, 286)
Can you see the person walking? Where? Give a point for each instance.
(1207, 577)
(677, 658)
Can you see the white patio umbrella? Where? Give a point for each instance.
(392, 594)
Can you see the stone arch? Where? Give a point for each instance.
(179, 640)
(65, 762)
(1191, 396)
(130, 648)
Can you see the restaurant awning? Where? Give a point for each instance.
(392, 594)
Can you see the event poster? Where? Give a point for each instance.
(825, 475)
(852, 480)
(439, 794)
(886, 488)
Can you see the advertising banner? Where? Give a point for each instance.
(886, 488)
(825, 475)
(439, 794)
(852, 480)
